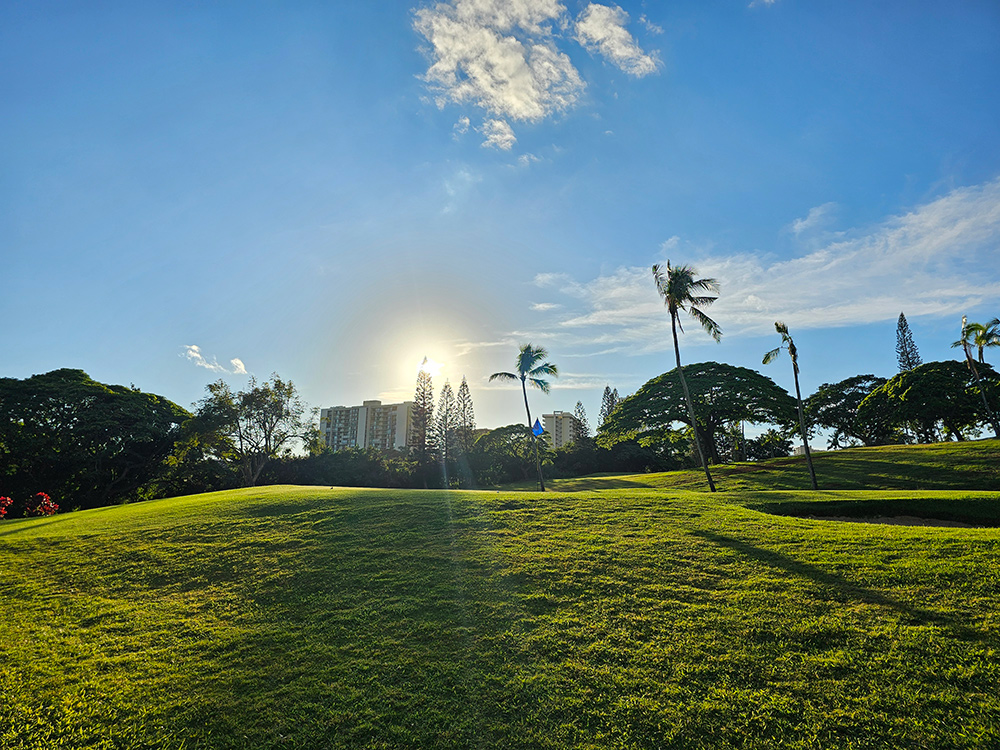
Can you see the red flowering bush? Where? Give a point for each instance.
(5, 502)
(40, 505)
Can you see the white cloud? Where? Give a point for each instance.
(193, 354)
(462, 126)
(650, 26)
(817, 217)
(498, 55)
(503, 56)
(601, 29)
(545, 306)
(526, 160)
(758, 3)
(498, 134)
(937, 260)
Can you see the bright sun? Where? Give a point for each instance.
(429, 366)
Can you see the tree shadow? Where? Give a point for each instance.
(846, 588)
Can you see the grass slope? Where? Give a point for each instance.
(292, 617)
(972, 465)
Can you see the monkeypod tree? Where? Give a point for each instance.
(932, 397)
(720, 394)
(836, 407)
(86, 443)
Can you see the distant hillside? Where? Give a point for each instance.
(973, 465)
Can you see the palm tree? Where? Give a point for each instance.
(530, 367)
(679, 289)
(980, 339)
(787, 343)
(980, 336)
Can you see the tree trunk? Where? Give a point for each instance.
(802, 426)
(538, 462)
(690, 403)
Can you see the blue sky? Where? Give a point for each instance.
(334, 190)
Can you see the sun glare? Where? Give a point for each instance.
(429, 366)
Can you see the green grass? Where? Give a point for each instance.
(302, 617)
(293, 617)
(973, 465)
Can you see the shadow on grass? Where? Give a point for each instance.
(368, 640)
(843, 587)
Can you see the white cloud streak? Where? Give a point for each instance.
(816, 218)
(601, 29)
(937, 260)
(193, 354)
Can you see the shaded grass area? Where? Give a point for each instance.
(972, 465)
(299, 617)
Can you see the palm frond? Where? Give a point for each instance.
(771, 355)
(503, 376)
(710, 326)
(546, 368)
(542, 385)
(708, 285)
(701, 301)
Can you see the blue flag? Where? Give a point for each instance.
(537, 429)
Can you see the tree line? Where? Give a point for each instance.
(87, 444)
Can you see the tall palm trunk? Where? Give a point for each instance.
(690, 403)
(538, 462)
(802, 426)
(979, 385)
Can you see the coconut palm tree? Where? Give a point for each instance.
(980, 336)
(530, 369)
(787, 343)
(680, 291)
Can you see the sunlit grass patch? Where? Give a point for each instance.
(303, 617)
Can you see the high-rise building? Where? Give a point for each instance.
(371, 425)
(560, 428)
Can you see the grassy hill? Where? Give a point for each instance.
(295, 617)
(971, 465)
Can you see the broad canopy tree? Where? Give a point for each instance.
(250, 427)
(934, 397)
(836, 406)
(85, 443)
(721, 394)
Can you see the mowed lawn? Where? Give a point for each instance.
(294, 617)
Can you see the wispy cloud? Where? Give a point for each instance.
(545, 306)
(936, 260)
(503, 57)
(601, 29)
(817, 217)
(457, 187)
(193, 354)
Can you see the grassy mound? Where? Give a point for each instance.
(971, 465)
(291, 617)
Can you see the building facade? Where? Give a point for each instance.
(560, 428)
(371, 425)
